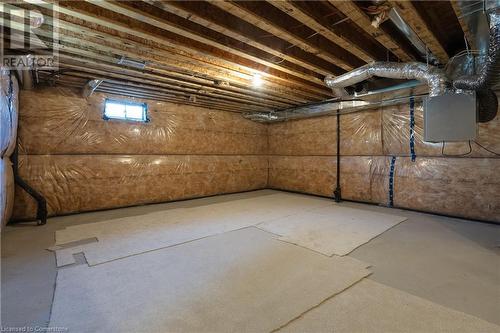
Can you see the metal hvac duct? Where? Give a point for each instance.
(325, 108)
(27, 79)
(490, 74)
(26, 72)
(412, 37)
(433, 76)
(90, 87)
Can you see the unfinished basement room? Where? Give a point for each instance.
(250, 166)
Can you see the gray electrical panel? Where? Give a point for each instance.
(450, 117)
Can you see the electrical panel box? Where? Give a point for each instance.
(450, 117)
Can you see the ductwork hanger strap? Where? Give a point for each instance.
(391, 181)
(412, 129)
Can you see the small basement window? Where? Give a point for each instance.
(125, 110)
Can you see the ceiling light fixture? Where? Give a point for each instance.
(257, 80)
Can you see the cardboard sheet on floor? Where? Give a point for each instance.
(369, 306)
(243, 281)
(124, 237)
(65, 254)
(331, 229)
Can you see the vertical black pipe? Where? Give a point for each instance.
(337, 194)
(41, 212)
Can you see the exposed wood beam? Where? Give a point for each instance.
(199, 102)
(442, 21)
(125, 91)
(145, 14)
(148, 77)
(226, 23)
(141, 95)
(85, 38)
(111, 73)
(74, 79)
(176, 81)
(150, 94)
(413, 19)
(293, 10)
(270, 25)
(82, 12)
(70, 44)
(463, 24)
(100, 58)
(362, 20)
(271, 20)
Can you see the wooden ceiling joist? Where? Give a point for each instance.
(207, 53)
(291, 8)
(124, 87)
(273, 22)
(175, 63)
(463, 24)
(119, 89)
(108, 70)
(180, 80)
(89, 14)
(75, 46)
(361, 19)
(214, 18)
(99, 36)
(341, 25)
(415, 21)
(185, 31)
(187, 83)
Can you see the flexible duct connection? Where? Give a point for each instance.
(490, 74)
(434, 77)
(90, 87)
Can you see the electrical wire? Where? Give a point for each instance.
(278, 61)
(457, 155)
(490, 151)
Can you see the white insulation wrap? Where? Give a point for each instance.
(9, 102)
(9, 92)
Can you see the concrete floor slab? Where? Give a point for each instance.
(370, 306)
(119, 238)
(452, 262)
(333, 229)
(241, 280)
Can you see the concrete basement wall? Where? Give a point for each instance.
(81, 162)
(302, 158)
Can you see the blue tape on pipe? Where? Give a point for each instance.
(412, 129)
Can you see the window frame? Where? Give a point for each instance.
(125, 102)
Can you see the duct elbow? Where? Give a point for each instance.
(490, 74)
(90, 87)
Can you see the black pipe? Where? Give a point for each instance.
(337, 194)
(41, 211)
